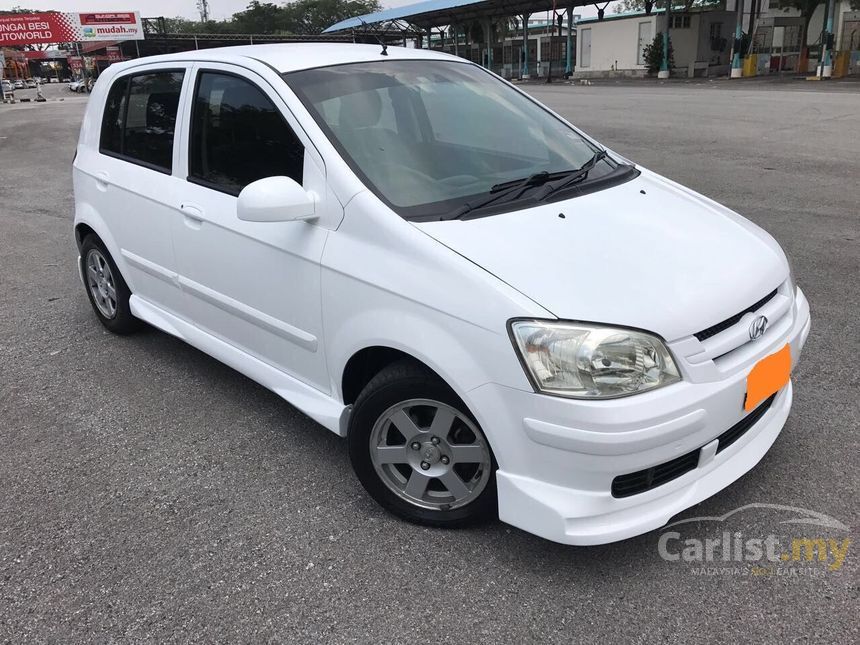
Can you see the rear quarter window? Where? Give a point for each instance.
(111, 138)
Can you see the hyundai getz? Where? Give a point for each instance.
(500, 315)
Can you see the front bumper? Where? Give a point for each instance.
(557, 457)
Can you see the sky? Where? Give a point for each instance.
(218, 9)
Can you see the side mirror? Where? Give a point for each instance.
(275, 199)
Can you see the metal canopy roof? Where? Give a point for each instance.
(433, 13)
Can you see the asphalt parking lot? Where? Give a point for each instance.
(150, 493)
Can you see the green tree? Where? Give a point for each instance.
(298, 17)
(261, 18)
(654, 54)
(631, 6)
(312, 16)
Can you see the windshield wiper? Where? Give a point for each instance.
(575, 177)
(507, 191)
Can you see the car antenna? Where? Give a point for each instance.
(379, 38)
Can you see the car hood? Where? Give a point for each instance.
(648, 254)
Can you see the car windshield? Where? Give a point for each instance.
(428, 136)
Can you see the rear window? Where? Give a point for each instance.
(140, 119)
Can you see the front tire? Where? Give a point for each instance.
(419, 452)
(108, 293)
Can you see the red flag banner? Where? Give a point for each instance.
(55, 27)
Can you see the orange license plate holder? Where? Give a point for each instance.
(768, 376)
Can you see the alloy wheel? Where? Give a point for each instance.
(101, 283)
(430, 454)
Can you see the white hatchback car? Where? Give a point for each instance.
(502, 316)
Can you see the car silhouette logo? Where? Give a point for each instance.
(758, 327)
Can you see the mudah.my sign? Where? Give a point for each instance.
(56, 27)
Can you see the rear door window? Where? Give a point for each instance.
(139, 120)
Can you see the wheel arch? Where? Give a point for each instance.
(82, 231)
(89, 222)
(367, 362)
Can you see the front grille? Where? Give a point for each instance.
(736, 431)
(716, 329)
(644, 480)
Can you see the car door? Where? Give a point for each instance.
(255, 285)
(129, 180)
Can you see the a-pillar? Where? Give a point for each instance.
(568, 68)
(737, 70)
(525, 73)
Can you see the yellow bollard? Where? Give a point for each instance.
(750, 65)
(841, 61)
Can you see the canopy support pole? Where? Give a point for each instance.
(488, 30)
(737, 70)
(525, 73)
(568, 68)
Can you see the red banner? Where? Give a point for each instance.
(55, 27)
(113, 54)
(76, 64)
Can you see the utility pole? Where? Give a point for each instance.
(83, 62)
(2, 66)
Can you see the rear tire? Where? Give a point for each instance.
(419, 452)
(108, 293)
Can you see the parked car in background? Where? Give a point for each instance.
(19, 84)
(53, 79)
(502, 316)
(31, 83)
(78, 86)
(7, 86)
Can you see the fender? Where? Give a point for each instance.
(450, 350)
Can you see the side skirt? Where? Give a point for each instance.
(319, 407)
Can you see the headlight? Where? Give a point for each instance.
(590, 361)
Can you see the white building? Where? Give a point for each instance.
(614, 46)
(702, 40)
(777, 35)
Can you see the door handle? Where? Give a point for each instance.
(193, 214)
(102, 180)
